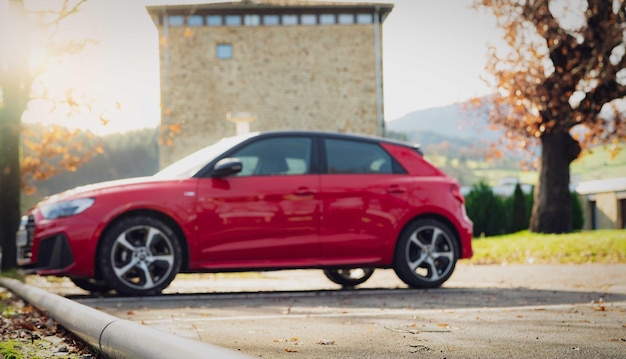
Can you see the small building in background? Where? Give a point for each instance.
(604, 203)
(288, 64)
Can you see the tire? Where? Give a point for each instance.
(349, 277)
(91, 285)
(426, 254)
(139, 255)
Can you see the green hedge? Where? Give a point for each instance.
(494, 215)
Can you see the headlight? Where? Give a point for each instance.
(66, 209)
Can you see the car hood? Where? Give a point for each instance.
(98, 188)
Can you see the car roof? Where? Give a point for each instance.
(341, 135)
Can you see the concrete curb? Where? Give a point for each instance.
(114, 337)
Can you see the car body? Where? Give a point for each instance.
(339, 202)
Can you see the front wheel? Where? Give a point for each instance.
(349, 277)
(426, 254)
(140, 255)
(91, 285)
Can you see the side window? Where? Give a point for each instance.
(276, 156)
(350, 157)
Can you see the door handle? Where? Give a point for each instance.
(304, 191)
(396, 189)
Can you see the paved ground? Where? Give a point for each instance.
(516, 311)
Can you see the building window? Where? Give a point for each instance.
(364, 19)
(345, 19)
(270, 20)
(224, 51)
(252, 20)
(289, 19)
(232, 20)
(194, 20)
(327, 19)
(176, 20)
(214, 20)
(308, 19)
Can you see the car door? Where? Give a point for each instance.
(364, 193)
(266, 215)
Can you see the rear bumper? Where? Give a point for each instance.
(466, 231)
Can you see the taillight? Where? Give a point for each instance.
(455, 189)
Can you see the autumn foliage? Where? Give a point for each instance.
(556, 78)
(53, 149)
(560, 85)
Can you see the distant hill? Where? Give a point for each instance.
(450, 122)
(451, 131)
(457, 140)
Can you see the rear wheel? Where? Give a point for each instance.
(349, 277)
(91, 285)
(426, 254)
(140, 255)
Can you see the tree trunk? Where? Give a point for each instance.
(9, 187)
(15, 83)
(552, 207)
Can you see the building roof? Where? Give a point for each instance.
(247, 5)
(604, 185)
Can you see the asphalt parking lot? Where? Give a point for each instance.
(517, 311)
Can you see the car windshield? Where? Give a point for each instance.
(190, 165)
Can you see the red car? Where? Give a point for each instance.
(286, 199)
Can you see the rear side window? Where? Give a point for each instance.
(354, 157)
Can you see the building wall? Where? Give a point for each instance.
(604, 212)
(606, 205)
(289, 77)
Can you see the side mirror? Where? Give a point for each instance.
(226, 167)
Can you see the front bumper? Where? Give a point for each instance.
(53, 252)
(54, 255)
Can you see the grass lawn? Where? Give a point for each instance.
(602, 246)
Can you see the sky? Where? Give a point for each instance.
(434, 54)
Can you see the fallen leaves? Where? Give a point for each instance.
(598, 305)
(416, 348)
(37, 334)
(292, 340)
(326, 342)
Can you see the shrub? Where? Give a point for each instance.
(493, 215)
(486, 210)
(578, 219)
(518, 212)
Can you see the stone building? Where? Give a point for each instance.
(268, 64)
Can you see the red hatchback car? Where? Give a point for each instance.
(342, 203)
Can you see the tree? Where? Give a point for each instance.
(15, 89)
(560, 87)
(17, 78)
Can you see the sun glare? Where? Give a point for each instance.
(102, 72)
